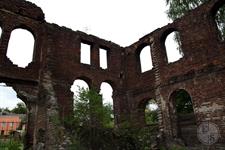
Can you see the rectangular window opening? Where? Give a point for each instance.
(103, 58)
(3, 124)
(85, 54)
(11, 124)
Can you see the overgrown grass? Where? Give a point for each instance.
(10, 144)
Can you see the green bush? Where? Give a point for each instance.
(91, 127)
(100, 138)
(11, 144)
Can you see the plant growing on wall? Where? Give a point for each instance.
(177, 8)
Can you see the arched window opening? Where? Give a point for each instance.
(146, 59)
(103, 58)
(183, 119)
(183, 103)
(85, 53)
(13, 115)
(151, 112)
(81, 107)
(220, 22)
(107, 92)
(78, 86)
(173, 47)
(21, 47)
(107, 100)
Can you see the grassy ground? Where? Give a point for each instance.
(10, 144)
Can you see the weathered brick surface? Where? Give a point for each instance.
(45, 83)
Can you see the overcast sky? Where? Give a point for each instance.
(119, 21)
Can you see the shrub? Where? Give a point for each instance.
(11, 145)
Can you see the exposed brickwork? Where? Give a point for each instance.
(45, 84)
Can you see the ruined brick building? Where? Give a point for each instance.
(44, 85)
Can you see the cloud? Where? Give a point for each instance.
(8, 97)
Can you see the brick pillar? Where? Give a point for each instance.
(30, 128)
(121, 109)
(159, 61)
(95, 56)
(65, 99)
(4, 40)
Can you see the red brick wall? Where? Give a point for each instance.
(45, 84)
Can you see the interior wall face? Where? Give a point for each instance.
(45, 83)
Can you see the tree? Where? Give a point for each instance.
(177, 8)
(4, 111)
(183, 103)
(91, 121)
(89, 110)
(91, 126)
(20, 109)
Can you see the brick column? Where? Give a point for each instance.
(95, 56)
(4, 40)
(31, 121)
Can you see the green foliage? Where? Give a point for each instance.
(95, 137)
(20, 109)
(11, 145)
(178, 8)
(220, 20)
(151, 115)
(87, 134)
(179, 44)
(113, 139)
(183, 102)
(4, 111)
(55, 120)
(108, 117)
(146, 137)
(89, 111)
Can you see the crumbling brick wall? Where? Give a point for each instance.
(44, 85)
